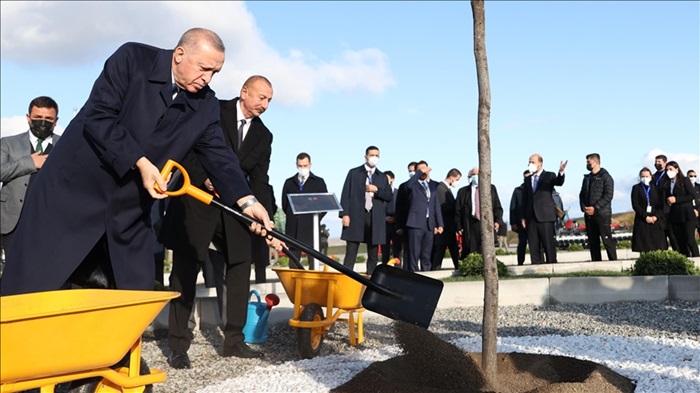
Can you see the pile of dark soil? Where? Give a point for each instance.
(429, 364)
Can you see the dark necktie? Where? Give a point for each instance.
(427, 195)
(301, 183)
(477, 204)
(534, 182)
(240, 134)
(39, 147)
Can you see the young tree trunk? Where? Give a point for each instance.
(490, 321)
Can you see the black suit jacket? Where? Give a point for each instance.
(516, 206)
(539, 205)
(301, 226)
(463, 208)
(682, 209)
(189, 225)
(447, 207)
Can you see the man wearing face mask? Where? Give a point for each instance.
(400, 196)
(301, 226)
(468, 214)
(420, 219)
(366, 192)
(595, 200)
(23, 155)
(538, 209)
(447, 239)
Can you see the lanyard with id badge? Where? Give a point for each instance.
(646, 192)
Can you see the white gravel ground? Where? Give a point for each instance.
(655, 364)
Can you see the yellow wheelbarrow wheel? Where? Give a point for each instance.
(309, 340)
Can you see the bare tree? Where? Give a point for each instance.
(490, 319)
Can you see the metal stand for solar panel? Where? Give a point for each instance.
(314, 203)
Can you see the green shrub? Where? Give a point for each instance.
(360, 259)
(283, 261)
(624, 244)
(500, 251)
(664, 263)
(576, 247)
(473, 265)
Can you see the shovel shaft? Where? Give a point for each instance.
(206, 198)
(310, 251)
(293, 258)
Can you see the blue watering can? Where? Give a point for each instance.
(255, 329)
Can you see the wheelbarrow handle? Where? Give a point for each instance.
(205, 197)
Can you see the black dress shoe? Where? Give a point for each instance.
(242, 350)
(179, 360)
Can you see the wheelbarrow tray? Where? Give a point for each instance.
(61, 332)
(315, 284)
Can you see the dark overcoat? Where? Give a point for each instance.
(645, 236)
(89, 188)
(353, 202)
(301, 226)
(463, 209)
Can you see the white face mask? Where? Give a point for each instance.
(693, 179)
(455, 184)
(304, 172)
(372, 161)
(646, 180)
(410, 174)
(670, 174)
(532, 168)
(474, 179)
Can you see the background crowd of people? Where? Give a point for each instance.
(81, 212)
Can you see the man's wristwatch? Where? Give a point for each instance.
(250, 202)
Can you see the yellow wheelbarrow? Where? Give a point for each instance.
(47, 338)
(310, 290)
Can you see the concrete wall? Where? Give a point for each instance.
(538, 291)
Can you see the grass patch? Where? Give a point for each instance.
(592, 273)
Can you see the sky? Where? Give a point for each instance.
(567, 78)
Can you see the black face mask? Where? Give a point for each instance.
(658, 167)
(42, 129)
(589, 167)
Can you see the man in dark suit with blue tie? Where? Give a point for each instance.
(420, 218)
(91, 202)
(538, 209)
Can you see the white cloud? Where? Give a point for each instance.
(74, 33)
(686, 161)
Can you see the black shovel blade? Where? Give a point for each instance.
(420, 295)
